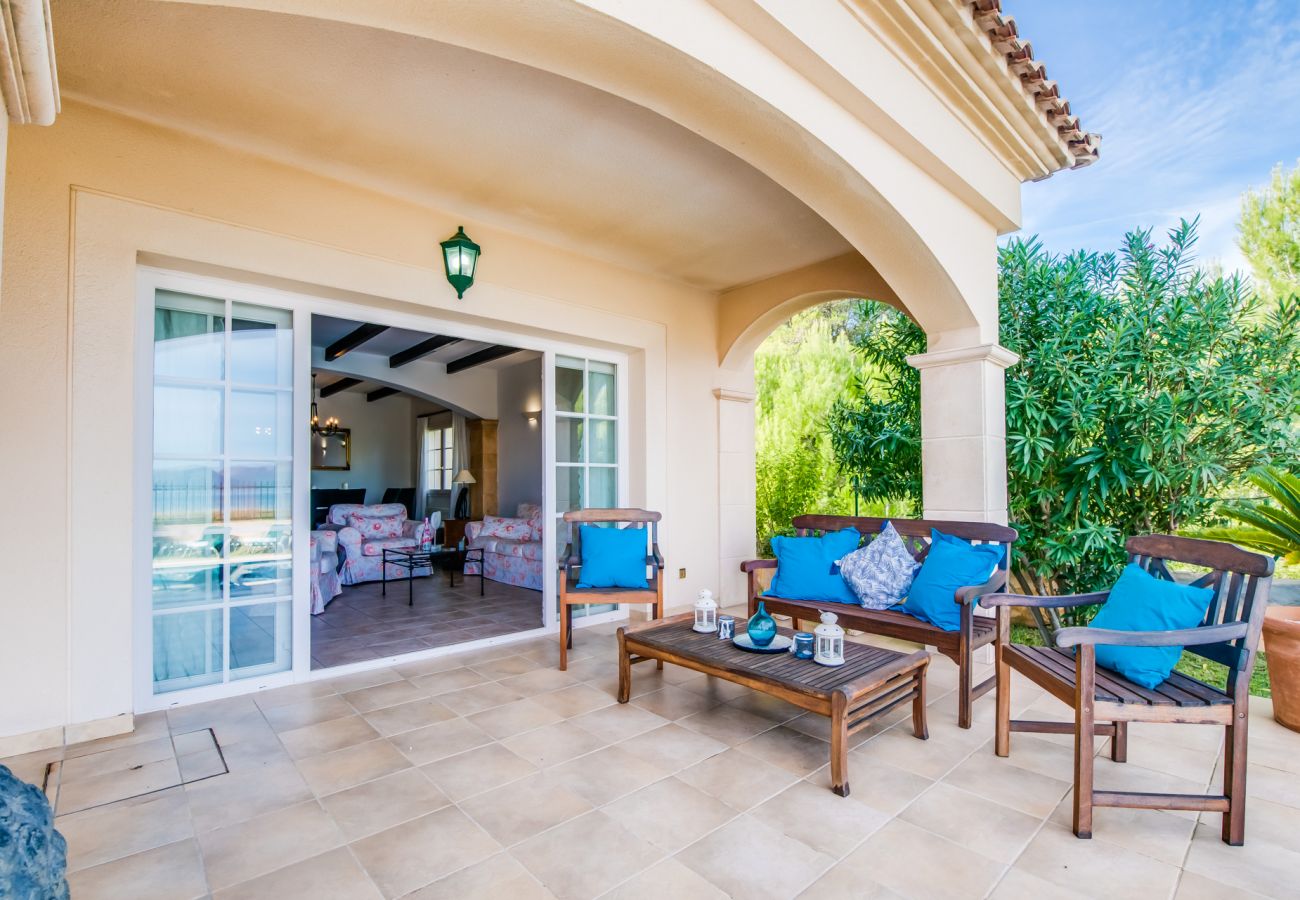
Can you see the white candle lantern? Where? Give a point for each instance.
(706, 613)
(830, 641)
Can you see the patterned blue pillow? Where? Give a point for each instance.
(880, 574)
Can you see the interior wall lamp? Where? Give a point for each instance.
(460, 256)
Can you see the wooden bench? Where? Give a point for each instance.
(959, 646)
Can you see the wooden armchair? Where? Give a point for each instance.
(571, 595)
(1105, 702)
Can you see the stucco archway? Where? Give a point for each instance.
(696, 67)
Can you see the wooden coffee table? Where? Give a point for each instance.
(872, 681)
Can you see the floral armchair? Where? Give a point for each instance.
(365, 531)
(512, 547)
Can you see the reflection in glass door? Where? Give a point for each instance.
(586, 443)
(222, 567)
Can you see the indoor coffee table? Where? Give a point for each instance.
(449, 559)
(872, 681)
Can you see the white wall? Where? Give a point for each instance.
(382, 451)
(519, 442)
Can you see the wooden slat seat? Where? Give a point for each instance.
(1057, 671)
(1105, 702)
(974, 631)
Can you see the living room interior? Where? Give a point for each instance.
(430, 444)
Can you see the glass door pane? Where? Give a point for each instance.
(222, 582)
(587, 459)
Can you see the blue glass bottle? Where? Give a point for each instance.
(762, 627)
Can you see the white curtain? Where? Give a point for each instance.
(459, 455)
(422, 471)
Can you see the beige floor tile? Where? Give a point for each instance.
(844, 881)
(1273, 784)
(1102, 868)
(443, 841)
(383, 803)
(1191, 763)
(514, 718)
(900, 748)
(524, 808)
(606, 775)
(408, 716)
(819, 726)
(1197, 887)
(672, 747)
(618, 722)
(749, 858)
(101, 835)
(425, 745)
(448, 680)
(1000, 780)
(949, 812)
(413, 670)
(325, 737)
(1208, 738)
(145, 727)
(232, 798)
(1274, 822)
(500, 876)
(342, 769)
(710, 688)
(1259, 865)
(31, 767)
(118, 759)
(204, 715)
(204, 764)
(1017, 884)
(738, 780)
(882, 787)
(539, 681)
(506, 667)
(609, 854)
(771, 708)
(573, 701)
(668, 878)
(358, 681)
(171, 872)
(727, 724)
(292, 695)
(554, 744)
(669, 814)
(307, 712)
(673, 702)
(480, 697)
(820, 818)
(110, 787)
(381, 695)
(333, 875)
(1032, 752)
(792, 750)
(239, 852)
(1161, 834)
(918, 863)
(478, 770)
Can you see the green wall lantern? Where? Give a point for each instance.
(460, 255)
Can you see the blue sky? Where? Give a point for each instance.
(1196, 101)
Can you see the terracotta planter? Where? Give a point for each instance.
(1282, 644)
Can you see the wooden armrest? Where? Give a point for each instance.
(569, 561)
(1209, 634)
(1066, 600)
(751, 565)
(655, 558)
(974, 591)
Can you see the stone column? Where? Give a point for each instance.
(737, 533)
(964, 436)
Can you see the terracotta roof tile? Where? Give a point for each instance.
(1001, 30)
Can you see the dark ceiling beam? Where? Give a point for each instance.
(381, 393)
(422, 349)
(478, 357)
(336, 386)
(352, 341)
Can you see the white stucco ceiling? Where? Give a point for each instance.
(481, 137)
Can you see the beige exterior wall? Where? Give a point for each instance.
(90, 196)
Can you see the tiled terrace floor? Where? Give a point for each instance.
(492, 774)
(362, 623)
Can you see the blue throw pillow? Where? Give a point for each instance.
(612, 557)
(951, 564)
(1141, 602)
(807, 567)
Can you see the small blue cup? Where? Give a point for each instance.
(803, 645)
(726, 627)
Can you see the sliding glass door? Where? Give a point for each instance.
(222, 531)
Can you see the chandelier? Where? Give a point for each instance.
(330, 426)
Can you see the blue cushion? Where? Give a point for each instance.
(807, 567)
(951, 564)
(612, 557)
(1141, 602)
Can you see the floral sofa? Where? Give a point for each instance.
(365, 531)
(325, 582)
(512, 547)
